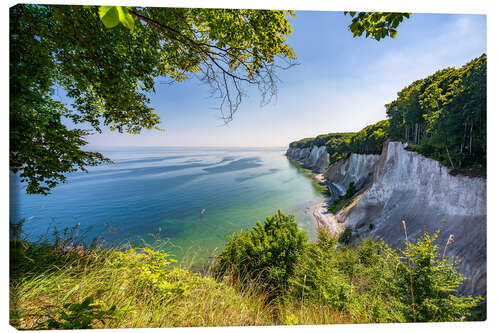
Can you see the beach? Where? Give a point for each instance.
(324, 218)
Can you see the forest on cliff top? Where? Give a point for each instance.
(442, 116)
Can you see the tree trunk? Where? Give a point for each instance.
(463, 139)
(449, 157)
(470, 140)
(416, 133)
(419, 133)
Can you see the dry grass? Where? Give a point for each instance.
(297, 313)
(35, 295)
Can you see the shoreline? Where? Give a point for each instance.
(319, 211)
(324, 218)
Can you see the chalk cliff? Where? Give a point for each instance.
(315, 158)
(357, 168)
(402, 185)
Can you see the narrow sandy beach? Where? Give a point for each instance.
(325, 218)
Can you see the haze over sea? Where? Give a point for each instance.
(159, 193)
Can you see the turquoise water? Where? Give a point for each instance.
(159, 193)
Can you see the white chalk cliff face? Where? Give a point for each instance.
(402, 185)
(315, 158)
(357, 168)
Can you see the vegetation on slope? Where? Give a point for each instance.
(442, 116)
(269, 275)
(267, 254)
(343, 200)
(367, 141)
(370, 282)
(100, 288)
(320, 140)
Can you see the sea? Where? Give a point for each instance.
(186, 200)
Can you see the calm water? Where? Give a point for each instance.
(159, 193)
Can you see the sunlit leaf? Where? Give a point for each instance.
(109, 15)
(126, 18)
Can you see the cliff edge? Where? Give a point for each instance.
(402, 185)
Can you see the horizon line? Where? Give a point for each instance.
(176, 146)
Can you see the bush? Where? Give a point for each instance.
(374, 283)
(427, 281)
(268, 254)
(150, 272)
(317, 279)
(79, 315)
(345, 236)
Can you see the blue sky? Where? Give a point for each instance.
(341, 84)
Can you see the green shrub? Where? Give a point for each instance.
(150, 271)
(317, 278)
(268, 253)
(345, 236)
(426, 284)
(375, 283)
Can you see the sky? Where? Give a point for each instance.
(341, 84)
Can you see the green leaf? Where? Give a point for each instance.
(125, 18)
(109, 16)
(394, 33)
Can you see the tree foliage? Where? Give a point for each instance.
(444, 115)
(108, 73)
(340, 145)
(111, 16)
(369, 140)
(376, 25)
(320, 140)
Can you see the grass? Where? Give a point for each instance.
(113, 279)
(45, 277)
(65, 285)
